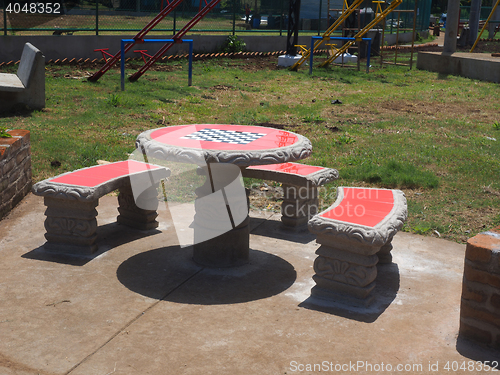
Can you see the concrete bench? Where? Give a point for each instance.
(71, 199)
(355, 234)
(28, 85)
(300, 187)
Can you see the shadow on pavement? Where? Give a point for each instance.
(109, 236)
(150, 273)
(384, 293)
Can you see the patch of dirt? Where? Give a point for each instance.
(221, 87)
(274, 126)
(264, 195)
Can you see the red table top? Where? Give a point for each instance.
(224, 137)
(363, 206)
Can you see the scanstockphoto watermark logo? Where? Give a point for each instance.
(353, 367)
(204, 200)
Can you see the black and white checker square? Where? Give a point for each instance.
(224, 136)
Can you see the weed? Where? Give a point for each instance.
(345, 139)
(3, 133)
(313, 118)
(496, 125)
(422, 228)
(114, 100)
(194, 100)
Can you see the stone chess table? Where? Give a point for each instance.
(221, 231)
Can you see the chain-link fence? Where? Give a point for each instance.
(28, 17)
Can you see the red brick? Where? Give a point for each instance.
(473, 333)
(468, 311)
(472, 295)
(25, 134)
(5, 208)
(7, 167)
(479, 248)
(495, 301)
(3, 151)
(496, 342)
(21, 156)
(7, 141)
(14, 175)
(7, 194)
(4, 183)
(496, 230)
(21, 182)
(472, 274)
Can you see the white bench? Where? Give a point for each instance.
(355, 234)
(71, 199)
(28, 85)
(300, 187)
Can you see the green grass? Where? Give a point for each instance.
(435, 137)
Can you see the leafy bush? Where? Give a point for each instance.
(233, 44)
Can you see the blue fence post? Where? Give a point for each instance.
(190, 65)
(368, 56)
(122, 61)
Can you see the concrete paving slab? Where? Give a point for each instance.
(142, 306)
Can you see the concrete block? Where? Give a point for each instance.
(471, 65)
(27, 87)
(288, 60)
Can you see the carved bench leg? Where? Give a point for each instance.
(300, 203)
(342, 276)
(133, 216)
(71, 226)
(384, 254)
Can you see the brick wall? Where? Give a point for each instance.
(15, 169)
(480, 306)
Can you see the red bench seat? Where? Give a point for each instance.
(71, 199)
(300, 187)
(355, 234)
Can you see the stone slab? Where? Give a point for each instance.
(288, 60)
(479, 66)
(10, 82)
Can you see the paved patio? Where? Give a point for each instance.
(141, 306)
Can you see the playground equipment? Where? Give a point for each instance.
(144, 54)
(368, 40)
(347, 10)
(139, 38)
(486, 24)
(380, 15)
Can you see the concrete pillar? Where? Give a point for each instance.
(475, 10)
(133, 216)
(300, 203)
(71, 226)
(495, 17)
(450, 38)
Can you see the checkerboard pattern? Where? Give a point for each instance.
(224, 136)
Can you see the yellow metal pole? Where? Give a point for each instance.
(326, 34)
(486, 24)
(359, 35)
